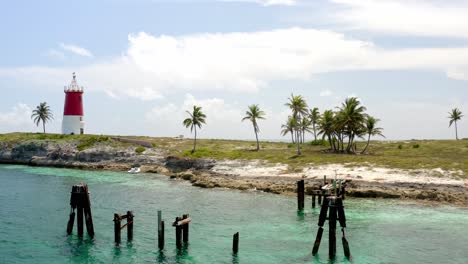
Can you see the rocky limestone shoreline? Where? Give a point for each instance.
(209, 173)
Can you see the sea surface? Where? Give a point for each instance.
(34, 209)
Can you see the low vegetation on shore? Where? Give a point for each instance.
(450, 155)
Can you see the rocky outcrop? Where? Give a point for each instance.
(65, 154)
(179, 164)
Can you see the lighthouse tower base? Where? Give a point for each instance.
(72, 125)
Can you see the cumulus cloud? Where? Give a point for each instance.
(154, 66)
(16, 119)
(410, 17)
(77, 50)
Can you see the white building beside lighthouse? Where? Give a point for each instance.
(73, 115)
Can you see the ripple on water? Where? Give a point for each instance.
(34, 205)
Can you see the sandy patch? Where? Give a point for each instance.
(358, 173)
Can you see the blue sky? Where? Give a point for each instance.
(144, 62)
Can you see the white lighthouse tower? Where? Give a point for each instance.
(73, 122)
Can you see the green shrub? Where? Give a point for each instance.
(140, 150)
(400, 146)
(416, 146)
(318, 142)
(291, 145)
(90, 141)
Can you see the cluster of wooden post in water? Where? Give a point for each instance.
(333, 195)
(80, 200)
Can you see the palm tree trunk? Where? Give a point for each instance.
(195, 140)
(332, 144)
(303, 136)
(43, 125)
(298, 143)
(365, 149)
(256, 136)
(456, 130)
(292, 137)
(315, 133)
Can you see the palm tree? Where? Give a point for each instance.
(326, 127)
(298, 106)
(289, 128)
(372, 130)
(305, 127)
(253, 114)
(352, 118)
(196, 119)
(42, 113)
(455, 116)
(314, 116)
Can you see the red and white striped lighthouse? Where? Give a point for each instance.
(73, 122)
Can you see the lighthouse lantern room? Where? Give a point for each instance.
(73, 122)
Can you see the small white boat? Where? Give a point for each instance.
(134, 170)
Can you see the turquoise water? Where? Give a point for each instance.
(34, 208)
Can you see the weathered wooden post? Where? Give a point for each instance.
(87, 211)
(300, 195)
(71, 221)
(178, 233)
(181, 228)
(117, 228)
(332, 228)
(129, 225)
(80, 201)
(334, 206)
(160, 231)
(185, 229)
(161, 236)
(235, 243)
(313, 200)
(319, 195)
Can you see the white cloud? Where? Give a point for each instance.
(326, 93)
(155, 66)
(16, 119)
(411, 17)
(76, 50)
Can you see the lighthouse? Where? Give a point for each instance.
(73, 122)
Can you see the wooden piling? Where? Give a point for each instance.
(313, 200)
(332, 230)
(318, 239)
(117, 228)
(71, 221)
(185, 229)
(87, 212)
(161, 236)
(300, 195)
(319, 198)
(129, 225)
(235, 243)
(80, 220)
(178, 233)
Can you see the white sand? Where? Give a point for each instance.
(361, 173)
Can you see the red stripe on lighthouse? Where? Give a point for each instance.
(73, 103)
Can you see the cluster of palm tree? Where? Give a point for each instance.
(341, 127)
(298, 122)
